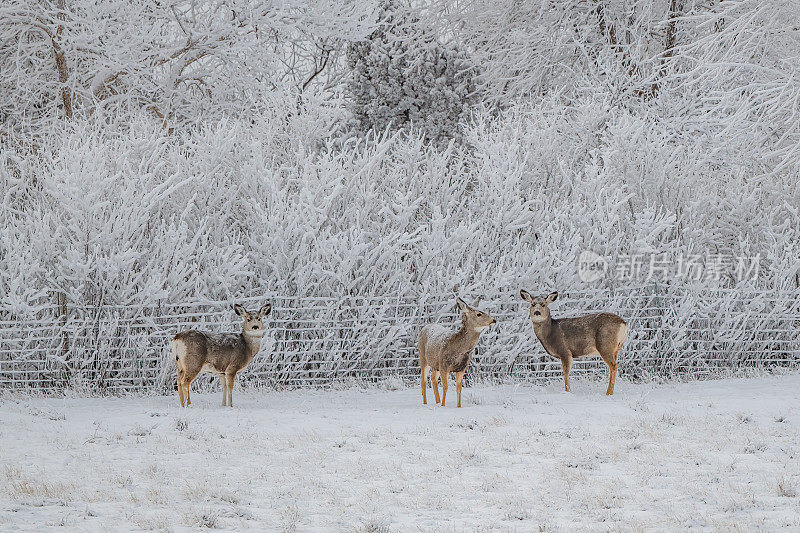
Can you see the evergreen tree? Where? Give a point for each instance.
(402, 76)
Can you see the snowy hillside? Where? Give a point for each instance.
(716, 455)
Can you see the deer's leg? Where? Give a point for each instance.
(444, 385)
(224, 382)
(435, 385)
(230, 378)
(459, 377)
(612, 380)
(188, 383)
(188, 377)
(180, 388)
(611, 361)
(566, 365)
(424, 386)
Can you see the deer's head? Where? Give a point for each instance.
(540, 312)
(252, 324)
(474, 318)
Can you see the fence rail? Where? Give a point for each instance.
(319, 341)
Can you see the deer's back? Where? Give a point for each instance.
(213, 351)
(590, 334)
(432, 342)
(444, 349)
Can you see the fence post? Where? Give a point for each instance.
(61, 303)
(61, 299)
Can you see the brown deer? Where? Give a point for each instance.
(225, 354)
(570, 338)
(443, 350)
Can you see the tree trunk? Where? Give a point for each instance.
(61, 61)
(675, 11)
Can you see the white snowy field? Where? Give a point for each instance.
(721, 455)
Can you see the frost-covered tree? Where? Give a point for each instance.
(181, 62)
(739, 71)
(402, 75)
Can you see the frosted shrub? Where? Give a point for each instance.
(389, 228)
(230, 209)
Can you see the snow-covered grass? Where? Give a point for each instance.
(718, 454)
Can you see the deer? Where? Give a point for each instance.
(224, 354)
(571, 338)
(443, 350)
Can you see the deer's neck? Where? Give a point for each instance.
(253, 343)
(466, 338)
(546, 333)
(544, 330)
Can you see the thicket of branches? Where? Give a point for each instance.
(157, 151)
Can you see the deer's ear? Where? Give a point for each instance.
(462, 305)
(551, 297)
(526, 295)
(264, 311)
(239, 310)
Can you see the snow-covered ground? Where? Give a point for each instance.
(719, 454)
